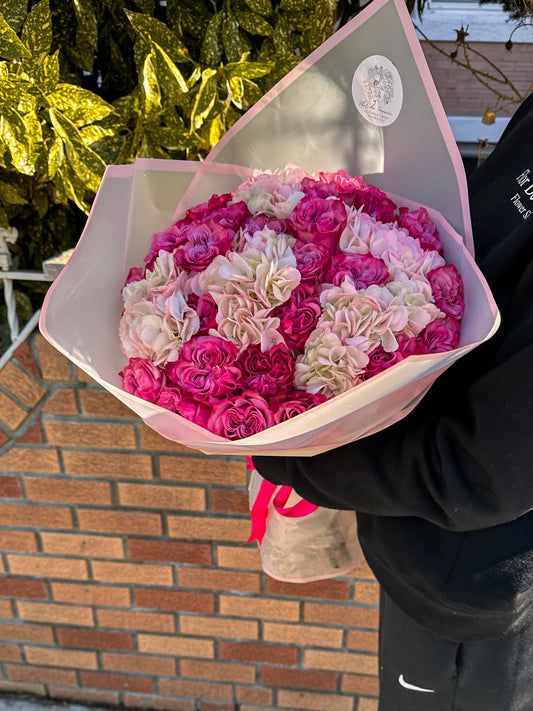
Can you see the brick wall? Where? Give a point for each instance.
(122, 575)
(461, 94)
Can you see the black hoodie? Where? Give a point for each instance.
(445, 496)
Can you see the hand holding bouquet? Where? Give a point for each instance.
(263, 303)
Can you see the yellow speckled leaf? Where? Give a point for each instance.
(10, 45)
(37, 31)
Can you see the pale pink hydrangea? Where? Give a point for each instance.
(355, 237)
(270, 194)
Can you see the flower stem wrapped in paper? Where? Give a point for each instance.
(362, 104)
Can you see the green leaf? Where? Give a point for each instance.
(169, 71)
(91, 134)
(14, 11)
(217, 128)
(297, 6)
(146, 6)
(248, 70)
(13, 135)
(205, 99)
(233, 47)
(281, 37)
(86, 32)
(261, 7)
(10, 45)
(211, 52)
(37, 31)
(79, 105)
(150, 86)
(151, 30)
(171, 139)
(253, 23)
(10, 195)
(46, 74)
(41, 203)
(188, 17)
(55, 157)
(321, 26)
(4, 221)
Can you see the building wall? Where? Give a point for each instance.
(123, 578)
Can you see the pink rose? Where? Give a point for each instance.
(170, 398)
(135, 274)
(408, 345)
(319, 221)
(195, 411)
(207, 310)
(257, 223)
(312, 261)
(440, 335)
(168, 240)
(203, 242)
(299, 315)
(318, 188)
(206, 369)
(243, 416)
(143, 379)
(294, 403)
(363, 270)
(375, 203)
(232, 216)
(199, 213)
(267, 373)
(380, 360)
(448, 290)
(420, 226)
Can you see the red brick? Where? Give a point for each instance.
(113, 521)
(206, 471)
(133, 620)
(32, 436)
(317, 702)
(364, 641)
(22, 687)
(153, 442)
(132, 573)
(68, 491)
(47, 567)
(91, 594)
(19, 672)
(10, 487)
(175, 646)
(108, 464)
(303, 635)
(139, 664)
(196, 689)
(86, 434)
(23, 541)
(367, 592)
(22, 587)
(341, 661)
(142, 701)
(158, 599)
(56, 613)
(299, 678)
(6, 608)
(209, 529)
(360, 684)
(226, 501)
(332, 589)
(254, 695)
(12, 415)
(195, 669)
(3, 438)
(340, 615)
(239, 557)
(208, 706)
(21, 384)
(85, 696)
(260, 608)
(102, 404)
(54, 365)
(82, 545)
(367, 705)
(62, 402)
(218, 627)
(93, 639)
(171, 551)
(218, 580)
(10, 652)
(253, 652)
(35, 516)
(117, 682)
(155, 496)
(25, 357)
(70, 658)
(22, 632)
(38, 460)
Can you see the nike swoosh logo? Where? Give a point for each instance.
(412, 687)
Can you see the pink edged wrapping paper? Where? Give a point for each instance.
(414, 156)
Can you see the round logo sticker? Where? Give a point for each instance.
(377, 90)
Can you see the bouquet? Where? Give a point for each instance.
(264, 302)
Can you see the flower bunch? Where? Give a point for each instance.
(263, 303)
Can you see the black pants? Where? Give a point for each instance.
(422, 672)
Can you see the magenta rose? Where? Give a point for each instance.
(143, 379)
(448, 290)
(295, 402)
(375, 203)
(420, 226)
(203, 242)
(170, 398)
(243, 416)
(299, 315)
(312, 261)
(207, 369)
(319, 221)
(168, 240)
(380, 360)
(232, 217)
(440, 335)
(408, 345)
(199, 213)
(195, 411)
(206, 309)
(318, 188)
(135, 274)
(256, 223)
(361, 268)
(267, 373)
